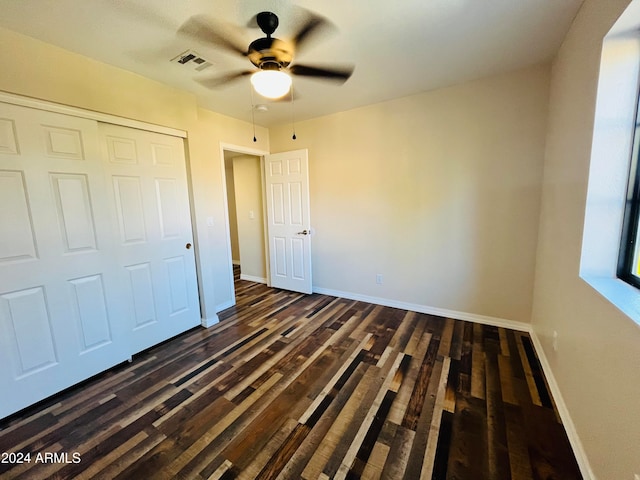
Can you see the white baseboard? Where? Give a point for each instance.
(209, 322)
(251, 278)
(563, 411)
(441, 312)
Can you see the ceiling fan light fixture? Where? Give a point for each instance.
(271, 83)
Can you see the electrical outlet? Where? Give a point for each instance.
(379, 278)
(554, 344)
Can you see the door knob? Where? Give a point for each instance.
(303, 232)
(188, 246)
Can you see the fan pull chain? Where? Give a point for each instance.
(293, 115)
(253, 118)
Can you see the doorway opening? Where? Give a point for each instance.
(274, 248)
(243, 180)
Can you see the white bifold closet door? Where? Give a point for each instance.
(154, 253)
(93, 264)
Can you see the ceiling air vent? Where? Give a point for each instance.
(191, 59)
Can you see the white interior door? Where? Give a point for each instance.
(154, 253)
(60, 314)
(288, 222)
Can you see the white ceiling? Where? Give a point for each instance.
(398, 47)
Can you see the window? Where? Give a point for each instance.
(629, 259)
(613, 183)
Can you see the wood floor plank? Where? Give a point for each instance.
(477, 363)
(504, 342)
(446, 339)
(399, 453)
(457, 341)
(519, 459)
(327, 390)
(533, 390)
(374, 413)
(376, 462)
(506, 380)
(291, 386)
(497, 448)
(466, 360)
(190, 453)
(311, 444)
(271, 458)
(421, 386)
(468, 448)
(416, 352)
(343, 427)
(436, 418)
(423, 424)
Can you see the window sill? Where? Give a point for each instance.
(622, 295)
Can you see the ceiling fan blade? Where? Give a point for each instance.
(337, 74)
(204, 29)
(311, 27)
(216, 82)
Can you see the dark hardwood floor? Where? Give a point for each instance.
(297, 386)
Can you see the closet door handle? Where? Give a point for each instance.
(303, 232)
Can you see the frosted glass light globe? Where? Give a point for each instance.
(271, 83)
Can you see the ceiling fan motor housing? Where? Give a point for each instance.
(268, 51)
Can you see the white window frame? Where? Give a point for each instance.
(610, 159)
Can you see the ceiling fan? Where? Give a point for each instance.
(271, 56)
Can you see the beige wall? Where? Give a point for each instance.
(438, 192)
(36, 69)
(248, 193)
(63, 77)
(205, 139)
(231, 207)
(597, 364)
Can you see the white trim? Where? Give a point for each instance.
(441, 312)
(251, 278)
(88, 114)
(240, 149)
(265, 222)
(563, 411)
(209, 322)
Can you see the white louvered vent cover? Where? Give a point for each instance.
(191, 59)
